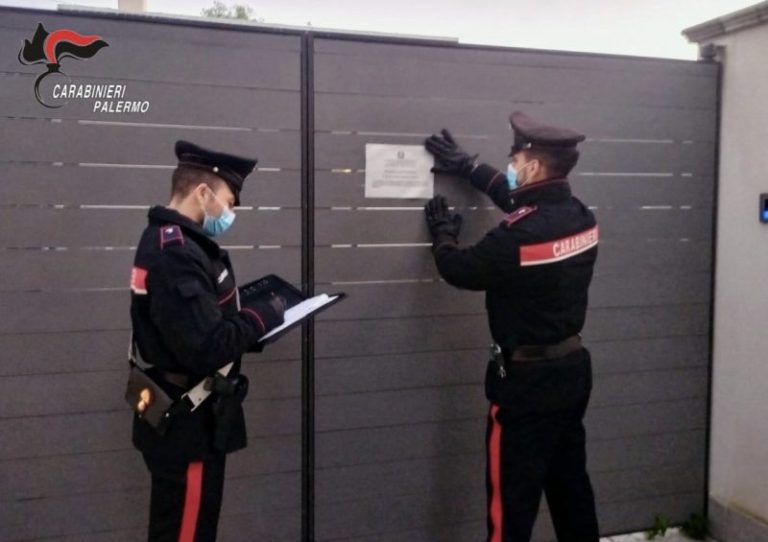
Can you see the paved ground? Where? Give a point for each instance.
(673, 535)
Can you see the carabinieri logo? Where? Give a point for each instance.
(50, 48)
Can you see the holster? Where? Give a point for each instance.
(229, 393)
(148, 400)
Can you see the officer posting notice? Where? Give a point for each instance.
(535, 268)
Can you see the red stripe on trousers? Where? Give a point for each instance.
(494, 464)
(192, 502)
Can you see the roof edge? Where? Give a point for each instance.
(733, 22)
(75, 9)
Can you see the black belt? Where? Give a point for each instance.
(533, 352)
(536, 352)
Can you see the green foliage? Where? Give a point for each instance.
(220, 10)
(696, 527)
(659, 528)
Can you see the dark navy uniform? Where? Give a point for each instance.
(187, 324)
(535, 267)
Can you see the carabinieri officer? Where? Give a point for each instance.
(535, 267)
(188, 324)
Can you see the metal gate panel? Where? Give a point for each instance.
(74, 195)
(400, 407)
(399, 411)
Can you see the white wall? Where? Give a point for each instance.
(739, 460)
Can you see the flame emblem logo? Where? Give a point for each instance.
(50, 48)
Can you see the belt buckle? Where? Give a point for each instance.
(498, 357)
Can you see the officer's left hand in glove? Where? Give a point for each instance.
(449, 157)
(442, 223)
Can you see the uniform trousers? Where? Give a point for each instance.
(536, 444)
(186, 499)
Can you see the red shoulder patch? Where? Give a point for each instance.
(171, 235)
(518, 214)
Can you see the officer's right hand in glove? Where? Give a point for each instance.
(440, 220)
(449, 157)
(268, 313)
(278, 304)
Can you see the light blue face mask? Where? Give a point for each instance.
(216, 225)
(512, 178)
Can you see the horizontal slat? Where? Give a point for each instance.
(108, 310)
(73, 143)
(259, 524)
(636, 360)
(424, 115)
(400, 226)
(610, 357)
(336, 151)
(238, 62)
(648, 322)
(457, 53)
(407, 407)
(102, 391)
(653, 257)
(414, 299)
(42, 270)
(437, 439)
(616, 290)
(48, 227)
(29, 478)
(46, 184)
(349, 264)
(93, 432)
(464, 474)
(401, 335)
(452, 371)
(83, 513)
(441, 333)
(203, 107)
(641, 419)
(452, 78)
(445, 531)
(334, 376)
(337, 189)
(74, 352)
(650, 386)
(368, 516)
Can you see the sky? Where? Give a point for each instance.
(627, 27)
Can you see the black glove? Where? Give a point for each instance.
(440, 220)
(269, 313)
(278, 304)
(450, 158)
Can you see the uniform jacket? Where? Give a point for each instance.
(187, 319)
(535, 266)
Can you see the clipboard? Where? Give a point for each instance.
(298, 307)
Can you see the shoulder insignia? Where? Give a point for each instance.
(170, 235)
(518, 214)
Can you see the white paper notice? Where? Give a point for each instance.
(398, 171)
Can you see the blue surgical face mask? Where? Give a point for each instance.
(512, 176)
(216, 225)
